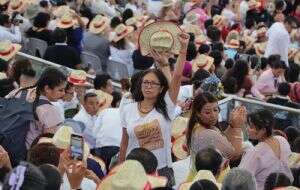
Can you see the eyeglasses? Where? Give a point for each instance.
(151, 84)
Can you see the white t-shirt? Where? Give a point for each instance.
(181, 170)
(86, 184)
(152, 131)
(108, 130)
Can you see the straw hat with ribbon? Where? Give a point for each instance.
(121, 31)
(167, 3)
(218, 21)
(200, 39)
(202, 62)
(178, 127)
(249, 41)
(297, 58)
(179, 148)
(160, 36)
(202, 174)
(104, 99)
(233, 34)
(131, 175)
(98, 24)
(78, 78)
(261, 32)
(233, 43)
(62, 139)
(253, 4)
(68, 20)
(8, 50)
(260, 48)
(31, 11)
(16, 6)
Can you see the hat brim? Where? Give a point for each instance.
(60, 11)
(86, 84)
(117, 38)
(155, 181)
(20, 9)
(178, 148)
(149, 30)
(98, 30)
(232, 46)
(7, 57)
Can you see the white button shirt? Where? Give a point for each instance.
(278, 42)
(12, 34)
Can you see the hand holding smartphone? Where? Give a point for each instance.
(76, 146)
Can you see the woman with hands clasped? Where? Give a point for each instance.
(147, 122)
(203, 133)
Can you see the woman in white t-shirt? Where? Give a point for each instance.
(147, 122)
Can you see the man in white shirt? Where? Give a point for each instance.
(88, 116)
(9, 31)
(279, 38)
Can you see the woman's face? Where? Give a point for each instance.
(151, 86)
(56, 93)
(255, 134)
(209, 114)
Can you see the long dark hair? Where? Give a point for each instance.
(160, 104)
(239, 71)
(50, 77)
(198, 103)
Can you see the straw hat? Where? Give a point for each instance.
(297, 58)
(62, 139)
(179, 126)
(202, 62)
(202, 174)
(78, 78)
(98, 24)
(253, 4)
(31, 11)
(131, 175)
(233, 43)
(142, 18)
(104, 99)
(261, 32)
(67, 20)
(148, 22)
(16, 6)
(191, 18)
(121, 31)
(180, 149)
(8, 50)
(3, 2)
(233, 34)
(133, 21)
(200, 39)
(167, 3)
(249, 41)
(191, 28)
(260, 48)
(218, 20)
(60, 11)
(161, 36)
(292, 52)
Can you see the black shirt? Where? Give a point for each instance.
(63, 55)
(42, 35)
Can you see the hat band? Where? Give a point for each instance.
(184, 147)
(76, 81)
(14, 7)
(66, 22)
(5, 53)
(122, 33)
(99, 25)
(204, 65)
(234, 44)
(218, 22)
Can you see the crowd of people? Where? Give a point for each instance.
(163, 129)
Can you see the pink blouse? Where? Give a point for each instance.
(261, 161)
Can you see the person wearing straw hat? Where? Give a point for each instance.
(167, 12)
(8, 30)
(151, 129)
(8, 50)
(121, 48)
(16, 6)
(96, 39)
(203, 61)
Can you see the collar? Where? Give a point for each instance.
(85, 113)
(61, 44)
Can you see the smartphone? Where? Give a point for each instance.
(76, 146)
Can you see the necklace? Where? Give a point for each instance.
(141, 110)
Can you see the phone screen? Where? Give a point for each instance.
(76, 147)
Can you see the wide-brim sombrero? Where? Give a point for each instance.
(179, 148)
(9, 50)
(97, 26)
(148, 31)
(202, 62)
(60, 23)
(118, 36)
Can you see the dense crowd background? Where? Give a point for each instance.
(163, 128)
